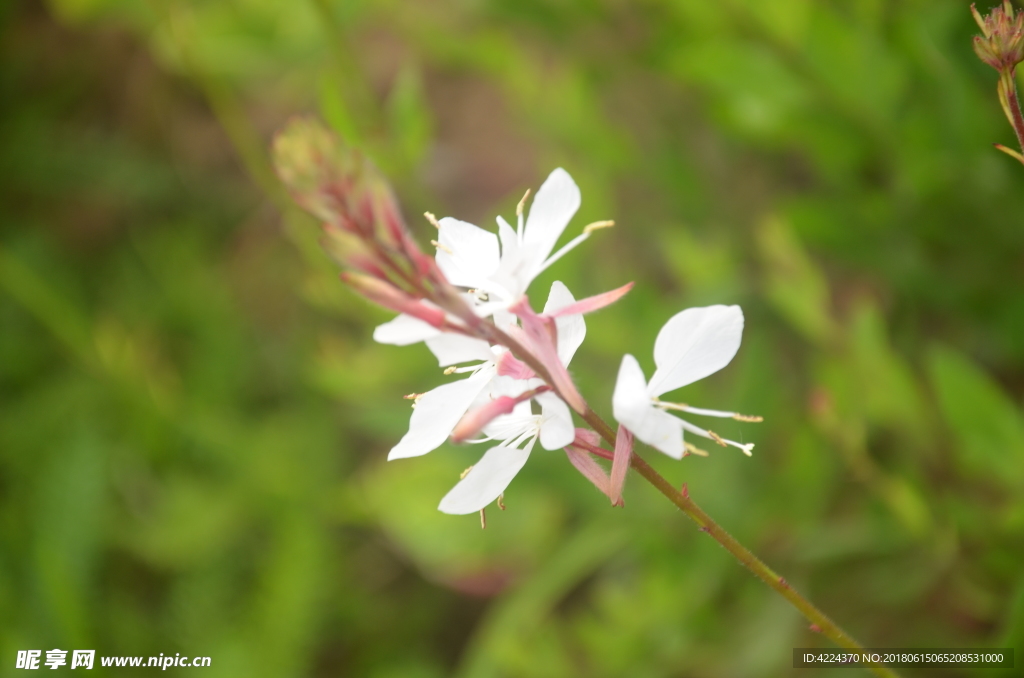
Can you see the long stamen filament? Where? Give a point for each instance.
(587, 230)
(683, 407)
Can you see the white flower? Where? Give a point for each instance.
(517, 431)
(437, 412)
(693, 344)
(469, 256)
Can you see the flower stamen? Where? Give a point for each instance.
(693, 449)
(519, 215)
(443, 248)
(590, 228)
(432, 219)
(587, 230)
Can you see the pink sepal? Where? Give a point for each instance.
(620, 464)
(590, 469)
(594, 303)
(510, 366)
(541, 342)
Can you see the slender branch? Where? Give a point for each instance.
(683, 501)
(1008, 84)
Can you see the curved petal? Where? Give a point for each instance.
(451, 349)
(436, 414)
(633, 409)
(509, 239)
(571, 328)
(554, 205)
(556, 429)
(488, 479)
(515, 273)
(693, 344)
(468, 255)
(404, 330)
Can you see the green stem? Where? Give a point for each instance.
(682, 500)
(1009, 82)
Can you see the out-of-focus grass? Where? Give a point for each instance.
(194, 420)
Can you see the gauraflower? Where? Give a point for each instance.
(498, 276)
(693, 344)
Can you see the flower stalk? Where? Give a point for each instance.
(1001, 46)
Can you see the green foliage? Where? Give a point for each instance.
(194, 418)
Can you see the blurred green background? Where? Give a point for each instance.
(194, 419)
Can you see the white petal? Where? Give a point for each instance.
(436, 414)
(471, 255)
(503, 320)
(693, 344)
(488, 478)
(451, 349)
(571, 328)
(634, 409)
(404, 330)
(554, 205)
(556, 429)
(521, 420)
(509, 239)
(516, 272)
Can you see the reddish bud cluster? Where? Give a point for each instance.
(1001, 44)
(363, 225)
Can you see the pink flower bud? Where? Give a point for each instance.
(510, 366)
(474, 421)
(387, 295)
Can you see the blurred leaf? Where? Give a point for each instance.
(409, 116)
(986, 424)
(794, 284)
(890, 394)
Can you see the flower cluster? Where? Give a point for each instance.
(469, 305)
(1001, 44)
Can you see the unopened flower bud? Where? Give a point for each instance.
(474, 421)
(338, 185)
(387, 295)
(1001, 44)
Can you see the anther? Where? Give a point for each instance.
(413, 396)
(693, 449)
(462, 476)
(522, 203)
(718, 439)
(483, 519)
(443, 248)
(752, 418)
(450, 370)
(597, 225)
(432, 219)
(501, 501)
